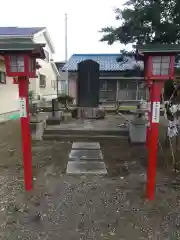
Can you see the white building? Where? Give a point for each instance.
(45, 85)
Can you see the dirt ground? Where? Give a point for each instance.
(84, 207)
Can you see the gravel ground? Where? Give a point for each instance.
(84, 207)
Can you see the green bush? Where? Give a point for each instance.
(65, 99)
(31, 96)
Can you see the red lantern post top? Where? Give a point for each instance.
(159, 61)
(20, 57)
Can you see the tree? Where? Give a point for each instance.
(145, 21)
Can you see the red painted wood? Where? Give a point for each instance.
(153, 143)
(149, 72)
(26, 72)
(26, 137)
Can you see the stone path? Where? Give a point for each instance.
(86, 158)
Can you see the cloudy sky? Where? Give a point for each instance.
(85, 19)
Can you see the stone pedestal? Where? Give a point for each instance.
(90, 113)
(37, 130)
(56, 119)
(37, 126)
(137, 131)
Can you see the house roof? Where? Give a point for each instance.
(20, 45)
(156, 48)
(26, 32)
(19, 31)
(60, 65)
(107, 62)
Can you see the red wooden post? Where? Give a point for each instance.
(25, 131)
(149, 117)
(153, 138)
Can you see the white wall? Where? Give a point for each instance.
(9, 94)
(47, 70)
(50, 76)
(63, 77)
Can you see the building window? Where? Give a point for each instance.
(161, 65)
(64, 89)
(2, 78)
(46, 54)
(42, 81)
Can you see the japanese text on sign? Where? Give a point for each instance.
(23, 112)
(156, 112)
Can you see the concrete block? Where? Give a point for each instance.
(85, 145)
(89, 155)
(37, 130)
(81, 167)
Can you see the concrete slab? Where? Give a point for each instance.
(89, 155)
(85, 145)
(86, 168)
(37, 130)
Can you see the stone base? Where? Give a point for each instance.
(56, 119)
(137, 132)
(86, 145)
(57, 114)
(86, 168)
(37, 130)
(85, 154)
(90, 113)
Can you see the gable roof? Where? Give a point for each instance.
(19, 31)
(26, 32)
(107, 62)
(60, 65)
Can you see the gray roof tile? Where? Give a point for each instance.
(107, 62)
(19, 31)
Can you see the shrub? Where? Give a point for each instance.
(65, 100)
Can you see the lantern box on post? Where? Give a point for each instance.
(159, 65)
(159, 60)
(20, 61)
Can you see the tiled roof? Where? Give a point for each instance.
(60, 65)
(18, 31)
(107, 62)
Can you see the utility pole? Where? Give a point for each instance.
(66, 47)
(66, 50)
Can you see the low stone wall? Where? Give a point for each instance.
(89, 112)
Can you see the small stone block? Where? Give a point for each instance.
(89, 155)
(85, 145)
(86, 168)
(37, 130)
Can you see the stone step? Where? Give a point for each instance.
(84, 167)
(86, 145)
(65, 137)
(53, 121)
(86, 132)
(85, 154)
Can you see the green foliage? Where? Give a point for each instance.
(65, 100)
(168, 89)
(31, 96)
(145, 21)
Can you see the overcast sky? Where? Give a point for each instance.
(85, 19)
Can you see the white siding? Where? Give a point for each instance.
(9, 95)
(50, 77)
(47, 70)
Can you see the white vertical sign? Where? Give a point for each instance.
(156, 112)
(23, 112)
